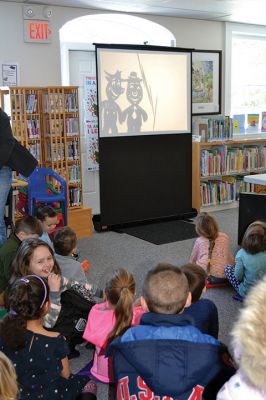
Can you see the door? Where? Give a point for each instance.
(82, 62)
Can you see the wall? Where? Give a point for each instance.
(40, 63)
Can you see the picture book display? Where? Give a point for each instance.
(263, 121)
(253, 123)
(239, 123)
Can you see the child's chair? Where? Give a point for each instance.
(39, 191)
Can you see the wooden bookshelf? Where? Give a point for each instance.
(235, 160)
(26, 118)
(54, 112)
(61, 138)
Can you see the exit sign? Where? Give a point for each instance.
(37, 31)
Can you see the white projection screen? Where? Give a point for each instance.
(143, 91)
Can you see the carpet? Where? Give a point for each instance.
(162, 232)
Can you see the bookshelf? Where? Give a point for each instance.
(46, 121)
(26, 118)
(61, 137)
(218, 169)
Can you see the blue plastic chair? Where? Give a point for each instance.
(37, 190)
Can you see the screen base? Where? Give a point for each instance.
(99, 226)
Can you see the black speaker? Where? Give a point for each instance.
(252, 207)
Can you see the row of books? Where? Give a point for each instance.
(58, 152)
(72, 126)
(55, 102)
(221, 160)
(31, 103)
(21, 104)
(226, 190)
(55, 127)
(213, 129)
(74, 173)
(35, 150)
(249, 123)
(33, 128)
(74, 197)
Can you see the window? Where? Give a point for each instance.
(246, 72)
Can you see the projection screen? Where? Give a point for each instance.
(143, 92)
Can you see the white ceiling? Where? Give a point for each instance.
(245, 11)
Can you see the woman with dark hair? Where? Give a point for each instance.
(39, 356)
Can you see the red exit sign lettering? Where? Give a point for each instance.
(37, 31)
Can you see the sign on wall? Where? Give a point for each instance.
(9, 74)
(91, 122)
(37, 31)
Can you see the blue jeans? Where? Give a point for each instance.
(5, 185)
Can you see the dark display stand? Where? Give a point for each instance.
(252, 207)
(144, 178)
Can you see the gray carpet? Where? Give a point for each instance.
(110, 250)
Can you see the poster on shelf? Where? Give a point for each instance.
(91, 122)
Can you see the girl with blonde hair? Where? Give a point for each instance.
(8, 381)
(111, 319)
(249, 344)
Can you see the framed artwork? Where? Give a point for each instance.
(206, 82)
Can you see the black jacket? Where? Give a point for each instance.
(12, 153)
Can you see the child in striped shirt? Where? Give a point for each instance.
(212, 249)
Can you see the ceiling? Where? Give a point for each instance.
(244, 11)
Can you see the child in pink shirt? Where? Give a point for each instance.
(212, 249)
(110, 319)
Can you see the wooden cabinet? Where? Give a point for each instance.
(218, 170)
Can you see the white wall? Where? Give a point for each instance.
(40, 63)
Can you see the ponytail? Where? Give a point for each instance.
(13, 329)
(120, 293)
(123, 314)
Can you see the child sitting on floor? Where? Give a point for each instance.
(25, 228)
(203, 311)
(65, 246)
(250, 261)
(211, 250)
(48, 219)
(110, 319)
(249, 344)
(39, 356)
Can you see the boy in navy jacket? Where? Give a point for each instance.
(165, 357)
(203, 311)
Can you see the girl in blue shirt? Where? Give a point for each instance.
(250, 260)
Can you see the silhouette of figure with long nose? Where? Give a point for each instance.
(111, 110)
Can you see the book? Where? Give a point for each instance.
(200, 127)
(263, 121)
(239, 123)
(253, 123)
